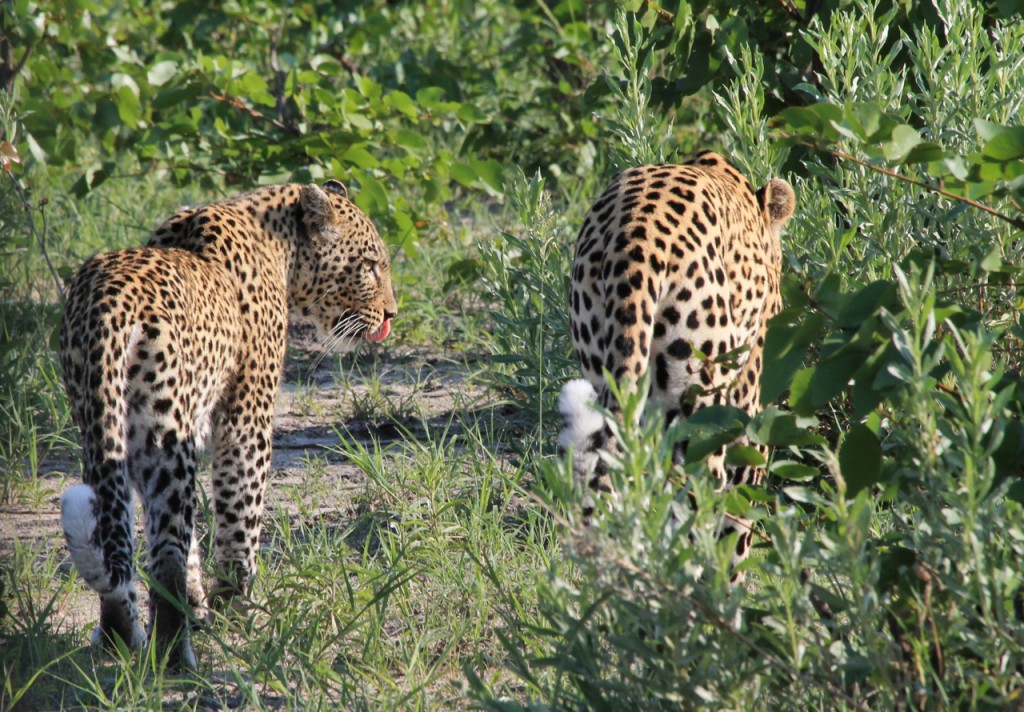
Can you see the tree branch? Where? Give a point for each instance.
(237, 103)
(843, 155)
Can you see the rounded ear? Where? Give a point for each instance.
(779, 200)
(336, 187)
(317, 206)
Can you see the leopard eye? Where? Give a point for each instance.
(372, 265)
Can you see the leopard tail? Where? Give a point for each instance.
(97, 516)
(585, 434)
(79, 516)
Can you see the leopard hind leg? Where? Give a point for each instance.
(165, 464)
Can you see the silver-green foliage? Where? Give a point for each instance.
(525, 277)
(884, 572)
(955, 73)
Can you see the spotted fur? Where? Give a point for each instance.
(171, 347)
(676, 267)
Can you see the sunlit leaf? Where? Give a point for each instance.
(904, 139)
(161, 72)
(464, 174)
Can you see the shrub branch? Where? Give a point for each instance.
(843, 155)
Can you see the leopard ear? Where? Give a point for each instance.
(335, 186)
(317, 209)
(779, 201)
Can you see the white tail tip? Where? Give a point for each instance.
(582, 421)
(78, 518)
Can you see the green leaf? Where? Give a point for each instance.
(744, 456)
(128, 107)
(94, 175)
(860, 459)
(818, 120)
(359, 121)
(993, 261)
(709, 429)
(793, 471)
(834, 372)
(358, 155)
(35, 149)
(432, 99)
(322, 62)
(799, 392)
(778, 428)
(957, 167)
(829, 294)
(785, 349)
(490, 172)
(925, 152)
(464, 174)
(904, 139)
(1007, 145)
(407, 138)
(987, 130)
(175, 96)
(403, 103)
(369, 88)
(123, 81)
(862, 305)
(371, 196)
(471, 114)
(806, 495)
(867, 121)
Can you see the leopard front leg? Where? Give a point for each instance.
(242, 450)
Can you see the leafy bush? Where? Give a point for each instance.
(890, 523)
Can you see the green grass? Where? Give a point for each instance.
(372, 602)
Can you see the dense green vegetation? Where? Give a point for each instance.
(476, 133)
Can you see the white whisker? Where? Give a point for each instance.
(345, 329)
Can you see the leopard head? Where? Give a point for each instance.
(342, 283)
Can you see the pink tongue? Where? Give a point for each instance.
(381, 333)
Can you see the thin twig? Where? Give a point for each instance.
(9, 69)
(663, 15)
(791, 10)
(279, 76)
(237, 103)
(1016, 222)
(23, 197)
